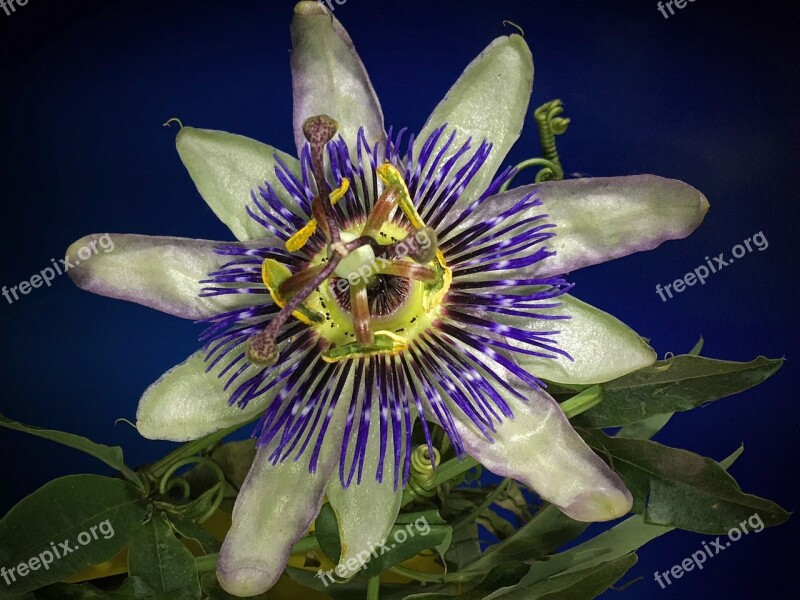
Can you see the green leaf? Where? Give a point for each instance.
(134, 588)
(548, 530)
(111, 455)
(95, 517)
(680, 488)
(420, 520)
(584, 584)
(162, 562)
(194, 531)
(496, 525)
(650, 426)
(619, 541)
(646, 428)
(306, 578)
(677, 384)
(413, 533)
(137, 588)
(501, 576)
(459, 504)
(624, 538)
(326, 529)
(465, 547)
(65, 591)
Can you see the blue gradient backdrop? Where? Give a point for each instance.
(707, 96)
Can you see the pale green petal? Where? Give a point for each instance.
(226, 168)
(187, 403)
(366, 511)
(539, 448)
(274, 509)
(602, 346)
(488, 102)
(328, 78)
(159, 272)
(595, 220)
(603, 219)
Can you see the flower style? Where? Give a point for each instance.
(372, 287)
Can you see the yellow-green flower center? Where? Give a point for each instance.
(387, 284)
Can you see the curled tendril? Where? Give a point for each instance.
(168, 482)
(550, 124)
(423, 472)
(174, 120)
(507, 23)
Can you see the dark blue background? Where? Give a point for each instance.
(707, 96)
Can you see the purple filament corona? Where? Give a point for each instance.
(465, 361)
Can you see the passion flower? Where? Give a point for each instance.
(377, 283)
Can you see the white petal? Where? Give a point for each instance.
(159, 272)
(488, 102)
(595, 220)
(187, 403)
(602, 346)
(366, 511)
(226, 168)
(328, 78)
(540, 449)
(274, 509)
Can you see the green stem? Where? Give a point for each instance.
(206, 564)
(418, 575)
(548, 167)
(484, 505)
(580, 403)
(374, 588)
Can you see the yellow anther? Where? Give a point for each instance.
(391, 177)
(299, 239)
